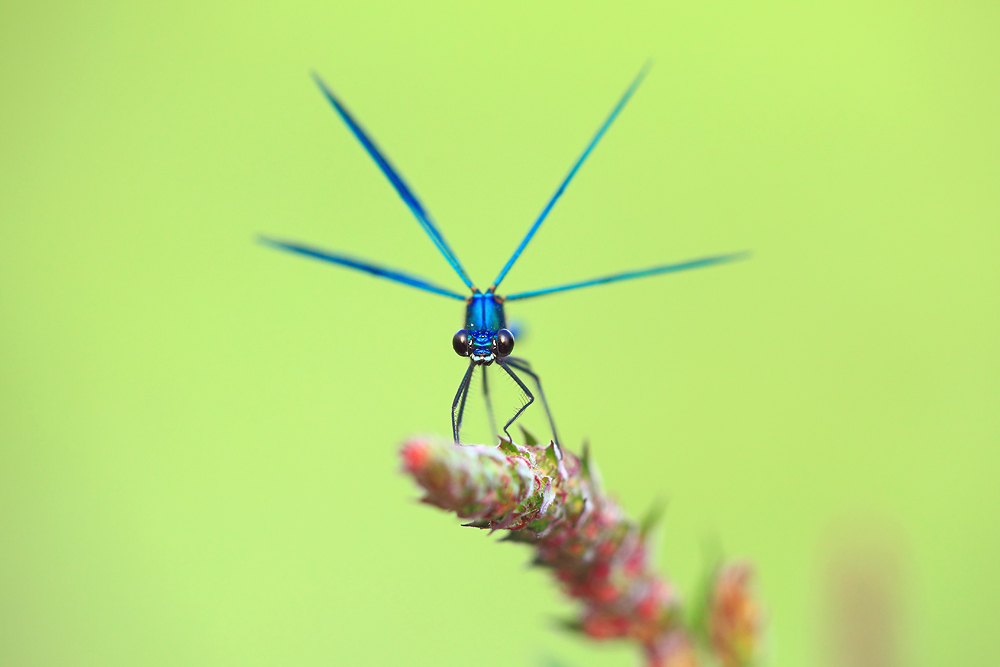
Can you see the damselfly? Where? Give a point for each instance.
(485, 339)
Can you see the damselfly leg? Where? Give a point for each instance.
(458, 405)
(527, 394)
(524, 366)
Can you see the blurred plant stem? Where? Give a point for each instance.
(553, 501)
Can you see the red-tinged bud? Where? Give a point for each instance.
(602, 591)
(649, 606)
(735, 618)
(605, 626)
(673, 650)
(414, 456)
(600, 570)
(636, 561)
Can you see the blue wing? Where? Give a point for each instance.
(628, 275)
(397, 182)
(572, 172)
(359, 265)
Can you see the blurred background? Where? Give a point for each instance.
(198, 435)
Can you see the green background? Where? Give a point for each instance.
(198, 435)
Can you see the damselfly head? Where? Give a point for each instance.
(483, 347)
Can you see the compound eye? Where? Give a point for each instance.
(505, 342)
(461, 343)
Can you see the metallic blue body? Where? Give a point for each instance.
(483, 319)
(484, 340)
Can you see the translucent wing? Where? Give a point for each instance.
(396, 180)
(361, 265)
(572, 172)
(628, 275)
